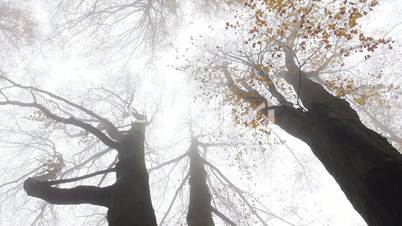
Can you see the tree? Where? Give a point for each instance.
(17, 27)
(199, 210)
(131, 190)
(128, 198)
(285, 66)
(293, 44)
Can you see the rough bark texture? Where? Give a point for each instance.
(130, 199)
(366, 167)
(199, 210)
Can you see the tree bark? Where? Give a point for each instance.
(128, 200)
(131, 199)
(199, 209)
(71, 196)
(367, 168)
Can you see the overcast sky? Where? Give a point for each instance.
(286, 177)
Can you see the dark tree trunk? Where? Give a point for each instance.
(366, 167)
(199, 209)
(128, 200)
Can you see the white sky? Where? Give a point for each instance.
(321, 204)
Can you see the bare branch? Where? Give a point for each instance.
(238, 191)
(222, 216)
(71, 121)
(178, 158)
(174, 198)
(77, 195)
(62, 181)
(110, 128)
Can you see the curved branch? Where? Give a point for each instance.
(110, 128)
(71, 121)
(251, 96)
(271, 87)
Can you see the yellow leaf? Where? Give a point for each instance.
(360, 100)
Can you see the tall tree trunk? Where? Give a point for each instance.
(130, 199)
(366, 167)
(199, 209)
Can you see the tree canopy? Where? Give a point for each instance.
(201, 113)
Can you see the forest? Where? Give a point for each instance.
(201, 113)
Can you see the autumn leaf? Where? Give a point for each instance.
(362, 100)
(353, 18)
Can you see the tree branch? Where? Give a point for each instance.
(238, 191)
(69, 180)
(68, 196)
(271, 87)
(222, 216)
(251, 96)
(178, 158)
(71, 121)
(110, 128)
(174, 198)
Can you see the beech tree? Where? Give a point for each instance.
(284, 63)
(128, 198)
(131, 189)
(283, 66)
